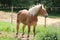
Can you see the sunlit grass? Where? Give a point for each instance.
(7, 38)
(41, 31)
(50, 32)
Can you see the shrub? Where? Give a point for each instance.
(50, 36)
(49, 33)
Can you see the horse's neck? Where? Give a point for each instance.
(37, 13)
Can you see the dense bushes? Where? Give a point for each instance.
(14, 9)
(47, 36)
(50, 36)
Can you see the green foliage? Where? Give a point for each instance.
(49, 36)
(7, 38)
(48, 33)
(42, 33)
(25, 4)
(6, 26)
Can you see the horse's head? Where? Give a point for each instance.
(38, 9)
(43, 11)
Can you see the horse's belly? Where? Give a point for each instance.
(29, 22)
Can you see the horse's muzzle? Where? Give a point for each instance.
(46, 15)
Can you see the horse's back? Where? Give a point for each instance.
(23, 11)
(23, 15)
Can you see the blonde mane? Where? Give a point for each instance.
(35, 9)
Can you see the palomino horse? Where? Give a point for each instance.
(29, 17)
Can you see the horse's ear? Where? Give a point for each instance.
(41, 7)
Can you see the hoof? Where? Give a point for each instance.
(27, 36)
(0, 33)
(16, 34)
(22, 37)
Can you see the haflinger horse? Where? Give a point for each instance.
(29, 17)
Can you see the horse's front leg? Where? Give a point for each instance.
(23, 30)
(28, 31)
(34, 29)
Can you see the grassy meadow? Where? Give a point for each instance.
(42, 33)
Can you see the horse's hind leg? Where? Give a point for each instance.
(17, 27)
(28, 31)
(23, 30)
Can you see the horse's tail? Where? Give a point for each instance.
(19, 13)
(18, 16)
(17, 23)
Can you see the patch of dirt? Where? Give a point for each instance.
(49, 21)
(6, 16)
(13, 35)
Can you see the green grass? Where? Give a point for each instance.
(41, 31)
(45, 33)
(6, 26)
(7, 38)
